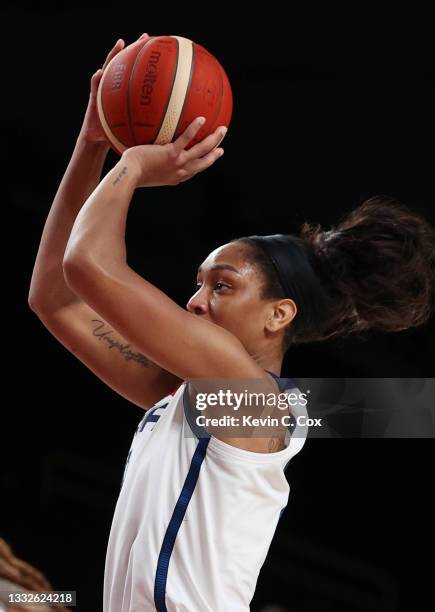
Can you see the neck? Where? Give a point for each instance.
(271, 362)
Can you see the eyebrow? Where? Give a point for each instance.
(221, 267)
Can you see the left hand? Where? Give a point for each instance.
(171, 164)
(92, 131)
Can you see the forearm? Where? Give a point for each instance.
(98, 234)
(48, 289)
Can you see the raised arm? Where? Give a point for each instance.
(78, 326)
(95, 267)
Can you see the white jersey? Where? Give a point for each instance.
(195, 516)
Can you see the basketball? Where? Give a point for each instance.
(150, 93)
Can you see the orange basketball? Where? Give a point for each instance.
(150, 93)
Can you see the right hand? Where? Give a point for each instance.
(92, 131)
(170, 164)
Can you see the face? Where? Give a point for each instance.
(229, 294)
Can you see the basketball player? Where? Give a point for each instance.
(197, 512)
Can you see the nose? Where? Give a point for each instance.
(197, 304)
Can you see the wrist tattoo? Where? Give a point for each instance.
(120, 175)
(124, 349)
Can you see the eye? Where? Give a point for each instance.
(220, 286)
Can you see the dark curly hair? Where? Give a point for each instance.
(376, 268)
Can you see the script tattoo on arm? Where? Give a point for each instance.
(124, 349)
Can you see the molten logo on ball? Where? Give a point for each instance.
(150, 78)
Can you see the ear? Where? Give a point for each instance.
(281, 313)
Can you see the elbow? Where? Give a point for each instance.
(39, 306)
(73, 258)
(69, 268)
(33, 303)
(76, 272)
(35, 300)
(82, 276)
(69, 263)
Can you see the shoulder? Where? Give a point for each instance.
(246, 413)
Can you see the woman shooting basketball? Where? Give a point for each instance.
(196, 514)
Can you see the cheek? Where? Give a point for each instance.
(238, 315)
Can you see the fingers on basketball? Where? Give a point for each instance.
(208, 144)
(189, 134)
(119, 45)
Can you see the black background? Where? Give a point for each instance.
(329, 109)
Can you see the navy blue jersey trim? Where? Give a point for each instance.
(197, 430)
(153, 418)
(150, 416)
(283, 383)
(174, 524)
